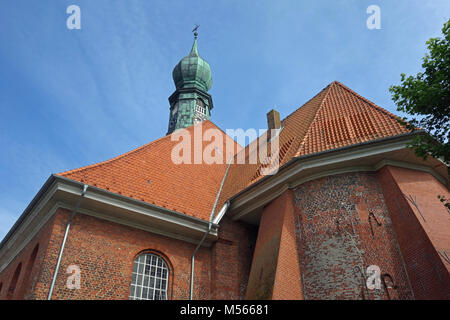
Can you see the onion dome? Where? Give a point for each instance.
(192, 71)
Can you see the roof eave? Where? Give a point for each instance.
(29, 208)
(317, 154)
(179, 225)
(329, 162)
(136, 201)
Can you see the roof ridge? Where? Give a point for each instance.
(68, 172)
(306, 102)
(315, 117)
(259, 137)
(367, 101)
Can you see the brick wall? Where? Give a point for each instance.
(31, 259)
(274, 272)
(314, 242)
(287, 284)
(421, 190)
(105, 251)
(232, 255)
(422, 228)
(337, 241)
(264, 262)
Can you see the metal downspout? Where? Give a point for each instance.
(191, 292)
(64, 241)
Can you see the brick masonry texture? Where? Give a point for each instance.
(105, 251)
(275, 273)
(287, 279)
(232, 257)
(422, 228)
(32, 271)
(265, 256)
(313, 242)
(337, 241)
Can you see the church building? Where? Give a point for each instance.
(350, 212)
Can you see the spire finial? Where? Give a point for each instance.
(195, 31)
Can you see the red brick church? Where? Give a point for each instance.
(351, 213)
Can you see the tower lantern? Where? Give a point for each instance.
(190, 103)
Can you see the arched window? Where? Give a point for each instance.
(12, 286)
(28, 270)
(150, 278)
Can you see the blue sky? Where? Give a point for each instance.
(70, 98)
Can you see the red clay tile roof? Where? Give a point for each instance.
(334, 118)
(148, 174)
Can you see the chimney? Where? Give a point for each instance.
(273, 119)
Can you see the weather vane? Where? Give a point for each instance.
(195, 31)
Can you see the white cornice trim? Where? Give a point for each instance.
(276, 185)
(330, 173)
(374, 168)
(321, 161)
(412, 166)
(140, 226)
(221, 213)
(39, 215)
(261, 202)
(31, 216)
(17, 245)
(162, 215)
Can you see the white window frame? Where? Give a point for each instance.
(150, 278)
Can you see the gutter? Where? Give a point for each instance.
(298, 158)
(191, 222)
(58, 263)
(28, 209)
(191, 291)
(136, 201)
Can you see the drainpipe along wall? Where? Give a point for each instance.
(61, 250)
(191, 292)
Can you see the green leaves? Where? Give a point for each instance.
(426, 98)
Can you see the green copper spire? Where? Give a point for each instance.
(190, 103)
(194, 50)
(193, 71)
